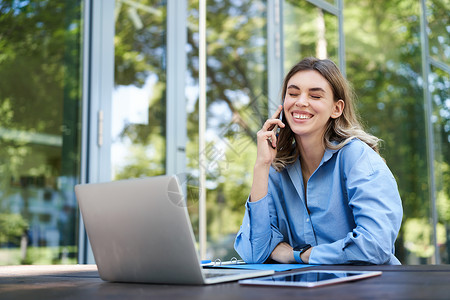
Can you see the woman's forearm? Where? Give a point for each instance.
(260, 182)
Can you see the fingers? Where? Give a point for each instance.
(275, 116)
(277, 112)
(268, 131)
(269, 136)
(271, 123)
(272, 139)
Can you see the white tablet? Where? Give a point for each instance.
(310, 278)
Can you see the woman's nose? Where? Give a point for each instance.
(302, 101)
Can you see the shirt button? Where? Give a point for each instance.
(307, 220)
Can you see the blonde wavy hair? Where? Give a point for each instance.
(339, 131)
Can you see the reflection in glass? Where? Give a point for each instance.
(332, 1)
(308, 31)
(440, 97)
(438, 18)
(383, 56)
(236, 108)
(39, 130)
(139, 107)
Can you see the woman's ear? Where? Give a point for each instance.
(338, 109)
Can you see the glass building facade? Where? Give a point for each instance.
(95, 91)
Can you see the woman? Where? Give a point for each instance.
(321, 193)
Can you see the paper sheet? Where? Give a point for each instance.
(275, 267)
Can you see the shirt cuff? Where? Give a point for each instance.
(256, 221)
(329, 254)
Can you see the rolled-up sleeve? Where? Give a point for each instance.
(258, 235)
(350, 211)
(377, 211)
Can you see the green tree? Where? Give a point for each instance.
(384, 63)
(12, 227)
(383, 55)
(39, 102)
(236, 74)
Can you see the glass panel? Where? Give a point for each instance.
(40, 102)
(440, 95)
(317, 34)
(236, 108)
(439, 29)
(192, 93)
(139, 97)
(383, 57)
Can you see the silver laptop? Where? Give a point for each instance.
(140, 231)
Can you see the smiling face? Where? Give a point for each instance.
(309, 104)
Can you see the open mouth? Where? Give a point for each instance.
(301, 116)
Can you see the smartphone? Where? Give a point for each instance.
(276, 129)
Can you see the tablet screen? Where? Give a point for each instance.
(311, 278)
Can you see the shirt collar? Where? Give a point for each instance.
(328, 155)
(294, 170)
(295, 174)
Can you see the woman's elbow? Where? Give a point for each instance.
(247, 253)
(249, 257)
(370, 258)
(382, 258)
(370, 249)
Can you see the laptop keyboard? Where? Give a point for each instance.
(211, 273)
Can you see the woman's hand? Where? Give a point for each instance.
(267, 139)
(266, 152)
(283, 253)
(305, 256)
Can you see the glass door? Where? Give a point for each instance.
(138, 108)
(40, 100)
(136, 117)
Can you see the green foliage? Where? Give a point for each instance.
(236, 102)
(140, 51)
(438, 18)
(383, 63)
(12, 150)
(418, 234)
(383, 55)
(140, 54)
(33, 38)
(237, 58)
(236, 71)
(226, 201)
(40, 71)
(443, 194)
(12, 227)
(39, 255)
(144, 161)
(301, 27)
(40, 98)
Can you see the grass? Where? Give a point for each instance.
(39, 256)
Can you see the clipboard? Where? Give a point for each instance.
(234, 263)
(219, 263)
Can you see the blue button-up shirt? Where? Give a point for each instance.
(354, 216)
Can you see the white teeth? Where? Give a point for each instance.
(299, 116)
